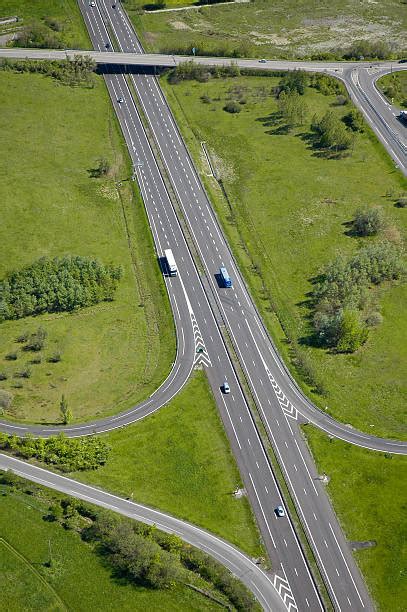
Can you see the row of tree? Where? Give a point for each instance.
(78, 70)
(144, 554)
(57, 285)
(341, 294)
(67, 454)
(137, 553)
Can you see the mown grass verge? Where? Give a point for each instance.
(369, 492)
(286, 216)
(179, 460)
(115, 353)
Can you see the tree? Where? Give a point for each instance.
(352, 333)
(103, 167)
(293, 81)
(354, 120)
(65, 412)
(331, 132)
(369, 221)
(292, 108)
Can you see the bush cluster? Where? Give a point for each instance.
(57, 285)
(293, 81)
(219, 576)
(137, 553)
(191, 71)
(67, 454)
(331, 133)
(342, 291)
(325, 84)
(143, 553)
(76, 71)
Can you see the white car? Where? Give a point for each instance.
(120, 100)
(280, 511)
(262, 61)
(226, 388)
(92, 4)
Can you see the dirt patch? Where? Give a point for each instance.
(269, 38)
(180, 25)
(5, 38)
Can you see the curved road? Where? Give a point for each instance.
(202, 307)
(359, 78)
(242, 566)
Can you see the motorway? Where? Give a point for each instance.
(242, 566)
(359, 78)
(200, 308)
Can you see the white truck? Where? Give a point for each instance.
(171, 265)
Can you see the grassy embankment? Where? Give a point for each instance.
(113, 354)
(287, 215)
(272, 29)
(394, 87)
(369, 492)
(64, 16)
(179, 461)
(78, 578)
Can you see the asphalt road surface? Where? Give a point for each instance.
(359, 78)
(200, 306)
(343, 581)
(242, 566)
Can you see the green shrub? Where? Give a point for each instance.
(67, 454)
(6, 399)
(57, 285)
(354, 120)
(343, 288)
(369, 221)
(232, 107)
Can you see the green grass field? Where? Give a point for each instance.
(288, 207)
(394, 86)
(66, 12)
(113, 354)
(79, 579)
(283, 28)
(369, 493)
(179, 461)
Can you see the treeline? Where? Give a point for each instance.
(138, 553)
(145, 555)
(359, 50)
(342, 294)
(67, 454)
(76, 71)
(57, 285)
(192, 71)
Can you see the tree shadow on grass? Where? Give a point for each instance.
(94, 172)
(275, 120)
(350, 229)
(312, 141)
